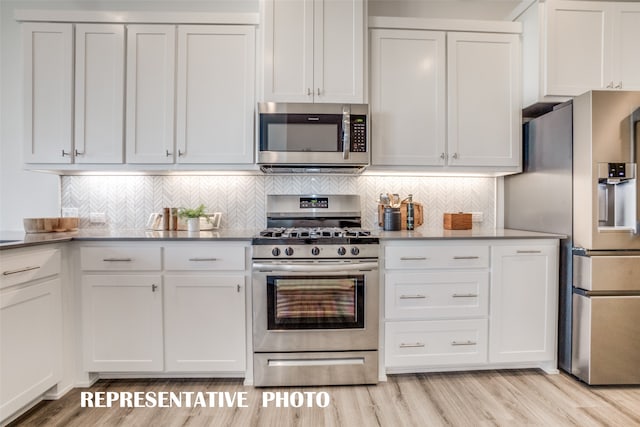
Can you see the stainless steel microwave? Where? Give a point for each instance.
(312, 137)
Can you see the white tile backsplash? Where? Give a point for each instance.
(127, 201)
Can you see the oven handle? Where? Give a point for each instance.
(306, 268)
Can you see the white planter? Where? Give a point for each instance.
(193, 225)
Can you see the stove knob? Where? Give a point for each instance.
(275, 251)
(355, 251)
(288, 251)
(342, 250)
(315, 251)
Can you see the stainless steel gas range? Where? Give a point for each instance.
(315, 294)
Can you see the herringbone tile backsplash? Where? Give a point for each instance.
(127, 201)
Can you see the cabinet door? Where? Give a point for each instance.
(338, 46)
(524, 303)
(99, 95)
(626, 46)
(288, 50)
(408, 106)
(48, 92)
(30, 343)
(215, 96)
(484, 99)
(577, 46)
(150, 93)
(122, 323)
(205, 323)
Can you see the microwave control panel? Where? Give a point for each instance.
(358, 133)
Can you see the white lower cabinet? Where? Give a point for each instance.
(30, 327)
(204, 323)
(122, 322)
(524, 301)
(470, 304)
(174, 309)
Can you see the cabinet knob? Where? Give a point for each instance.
(443, 156)
(167, 153)
(180, 153)
(78, 153)
(319, 92)
(64, 153)
(154, 287)
(309, 92)
(455, 156)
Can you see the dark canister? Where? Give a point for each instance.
(392, 219)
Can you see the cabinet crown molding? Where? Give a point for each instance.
(444, 24)
(136, 17)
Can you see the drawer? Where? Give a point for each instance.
(436, 295)
(120, 258)
(435, 343)
(420, 257)
(25, 267)
(218, 257)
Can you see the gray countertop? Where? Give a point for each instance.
(10, 240)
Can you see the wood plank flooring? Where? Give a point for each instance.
(482, 398)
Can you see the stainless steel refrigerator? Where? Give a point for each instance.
(580, 179)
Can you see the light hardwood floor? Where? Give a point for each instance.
(484, 398)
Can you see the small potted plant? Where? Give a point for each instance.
(193, 217)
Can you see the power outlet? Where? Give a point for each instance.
(69, 212)
(477, 216)
(97, 218)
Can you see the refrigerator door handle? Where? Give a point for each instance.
(635, 147)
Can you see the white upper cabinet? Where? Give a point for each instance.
(215, 94)
(314, 51)
(483, 88)
(626, 46)
(445, 99)
(151, 51)
(408, 97)
(48, 92)
(579, 46)
(99, 93)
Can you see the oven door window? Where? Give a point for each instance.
(301, 132)
(309, 302)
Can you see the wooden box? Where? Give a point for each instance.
(457, 221)
(418, 216)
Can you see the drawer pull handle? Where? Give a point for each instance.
(413, 258)
(464, 295)
(405, 345)
(154, 287)
(203, 259)
(117, 260)
(455, 343)
(466, 257)
(413, 296)
(20, 270)
(528, 252)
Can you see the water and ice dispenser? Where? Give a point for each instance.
(617, 190)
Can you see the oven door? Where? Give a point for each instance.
(315, 306)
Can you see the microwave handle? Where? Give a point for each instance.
(346, 131)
